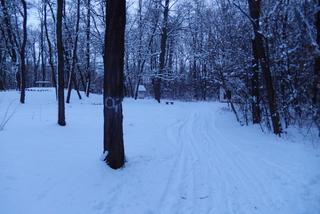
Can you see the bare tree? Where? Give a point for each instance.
(22, 53)
(260, 54)
(163, 46)
(72, 76)
(53, 73)
(61, 106)
(113, 82)
(316, 84)
(88, 72)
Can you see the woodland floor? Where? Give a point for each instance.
(182, 158)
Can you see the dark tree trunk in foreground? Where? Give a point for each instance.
(22, 53)
(61, 113)
(260, 52)
(163, 45)
(113, 82)
(255, 92)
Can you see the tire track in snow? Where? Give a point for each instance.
(208, 192)
(189, 189)
(180, 194)
(240, 178)
(212, 174)
(167, 197)
(250, 176)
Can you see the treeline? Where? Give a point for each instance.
(79, 48)
(265, 54)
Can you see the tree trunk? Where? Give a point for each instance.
(88, 85)
(163, 45)
(35, 63)
(42, 50)
(72, 77)
(254, 8)
(2, 73)
(88, 49)
(61, 109)
(22, 53)
(72, 81)
(316, 85)
(255, 92)
(53, 73)
(113, 82)
(1, 86)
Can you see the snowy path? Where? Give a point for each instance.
(213, 175)
(185, 158)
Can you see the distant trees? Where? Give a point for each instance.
(12, 45)
(113, 82)
(8, 39)
(265, 53)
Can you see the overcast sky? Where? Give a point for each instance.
(33, 19)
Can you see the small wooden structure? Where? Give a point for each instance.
(142, 92)
(43, 84)
(224, 95)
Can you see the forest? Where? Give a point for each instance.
(264, 54)
(196, 106)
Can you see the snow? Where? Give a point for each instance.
(183, 158)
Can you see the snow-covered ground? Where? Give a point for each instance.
(182, 158)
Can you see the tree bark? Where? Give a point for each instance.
(42, 50)
(22, 53)
(113, 82)
(61, 107)
(316, 85)
(163, 45)
(254, 8)
(255, 92)
(2, 73)
(53, 73)
(72, 77)
(88, 49)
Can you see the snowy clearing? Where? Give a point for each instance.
(182, 158)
